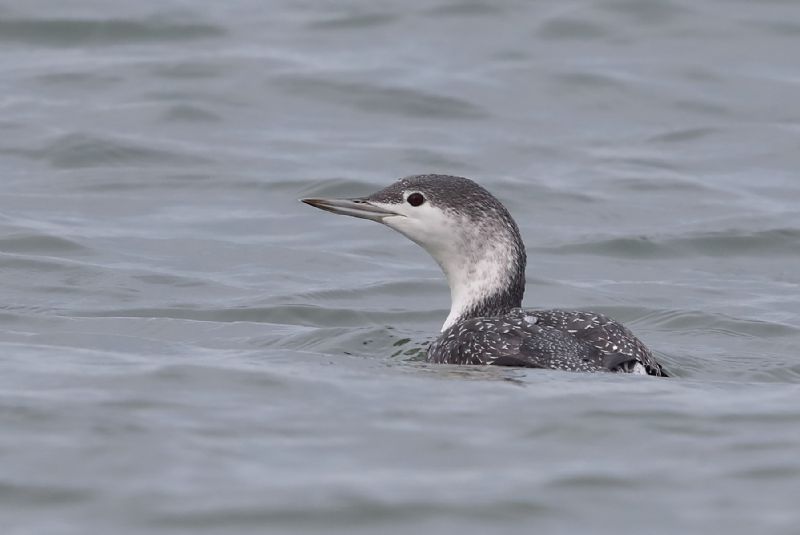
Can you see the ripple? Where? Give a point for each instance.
(303, 315)
(192, 114)
(79, 32)
(382, 99)
(776, 471)
(38, 243)
(684, 135)
(666, 184)
(189, 70)
(571, 29)
(351, 508)
(588, 480)
(390, 289)
(172, 281)
(784, 27)
(25, 495)
(631, 247)
(436, 159)
(372, 343)
(468, 8)
(355, 21)
(78, 79)
(775, 242)
(335, 186)
(651, 13)
(685, 320)
(202, 374)
(703, 106)
(591, 80)
(77, 151)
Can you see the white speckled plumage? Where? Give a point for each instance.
(479, 248)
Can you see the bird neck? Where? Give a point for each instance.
(487, 282)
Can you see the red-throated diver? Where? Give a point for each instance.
(478, 246)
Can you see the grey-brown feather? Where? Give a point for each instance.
(552, 339)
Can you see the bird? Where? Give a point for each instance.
(478, 246)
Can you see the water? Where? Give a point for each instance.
(187, 349)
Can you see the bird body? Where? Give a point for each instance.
(553, 339)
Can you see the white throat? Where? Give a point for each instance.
(473, 282)
(480, 263)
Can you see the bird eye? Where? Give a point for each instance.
(415, 199)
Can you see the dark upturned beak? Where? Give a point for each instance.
(361, 208)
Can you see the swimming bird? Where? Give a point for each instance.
(478, 246)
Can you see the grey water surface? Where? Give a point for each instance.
(185, 348)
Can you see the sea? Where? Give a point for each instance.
(187, 349)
